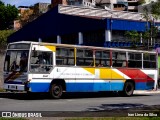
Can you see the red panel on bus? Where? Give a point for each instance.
(136, 74)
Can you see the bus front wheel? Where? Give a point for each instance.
(56, 91)
(128, 89)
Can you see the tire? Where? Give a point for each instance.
(56, 91)
(128, 89)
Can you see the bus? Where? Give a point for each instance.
(57, 68)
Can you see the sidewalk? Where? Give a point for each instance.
(147, 91)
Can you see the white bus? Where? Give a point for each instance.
(58, 68)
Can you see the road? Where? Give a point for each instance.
(85, 102)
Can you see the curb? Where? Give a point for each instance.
(146, 92)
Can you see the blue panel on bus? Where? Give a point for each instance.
(39, 87)
(143, 86)
(79, 87)
(117, 86)
(93, 87)
(88, 87)
(101, 86)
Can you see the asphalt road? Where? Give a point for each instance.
(79, 102)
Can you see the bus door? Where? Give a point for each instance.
(41, 66)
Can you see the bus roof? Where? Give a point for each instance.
(85, 47)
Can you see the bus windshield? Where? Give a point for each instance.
(16, 60)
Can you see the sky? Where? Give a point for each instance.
(24, 2)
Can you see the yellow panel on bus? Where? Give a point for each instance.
(52, 48)
(105, 73)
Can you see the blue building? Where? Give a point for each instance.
(81, 25)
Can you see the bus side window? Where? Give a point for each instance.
(131, 63)
(102, 58)
(42, 62)
(64, 56)
(135, 60)
(118, 59)
(149, 60)
(84, 57)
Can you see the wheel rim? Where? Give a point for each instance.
(129, 89)
(56, 90)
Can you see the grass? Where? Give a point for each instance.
(94, 118)
(117, 118)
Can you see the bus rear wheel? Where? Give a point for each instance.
(56, 91)
(128, 89)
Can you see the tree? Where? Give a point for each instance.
(8, 14)
(3, 37)
(134, 36)
(151, 30)
(155, 9)
(140, 2)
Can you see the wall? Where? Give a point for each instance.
(1, 67)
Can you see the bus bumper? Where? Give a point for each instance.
(14, 87)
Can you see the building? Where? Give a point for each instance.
(122, 5)
(17, 23)
(29, 13)
(81, 25)
(41, 8)
(133, 5)
(22, 9)
(63, 2)
(110, 4)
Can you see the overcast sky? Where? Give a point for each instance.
(24, 2)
